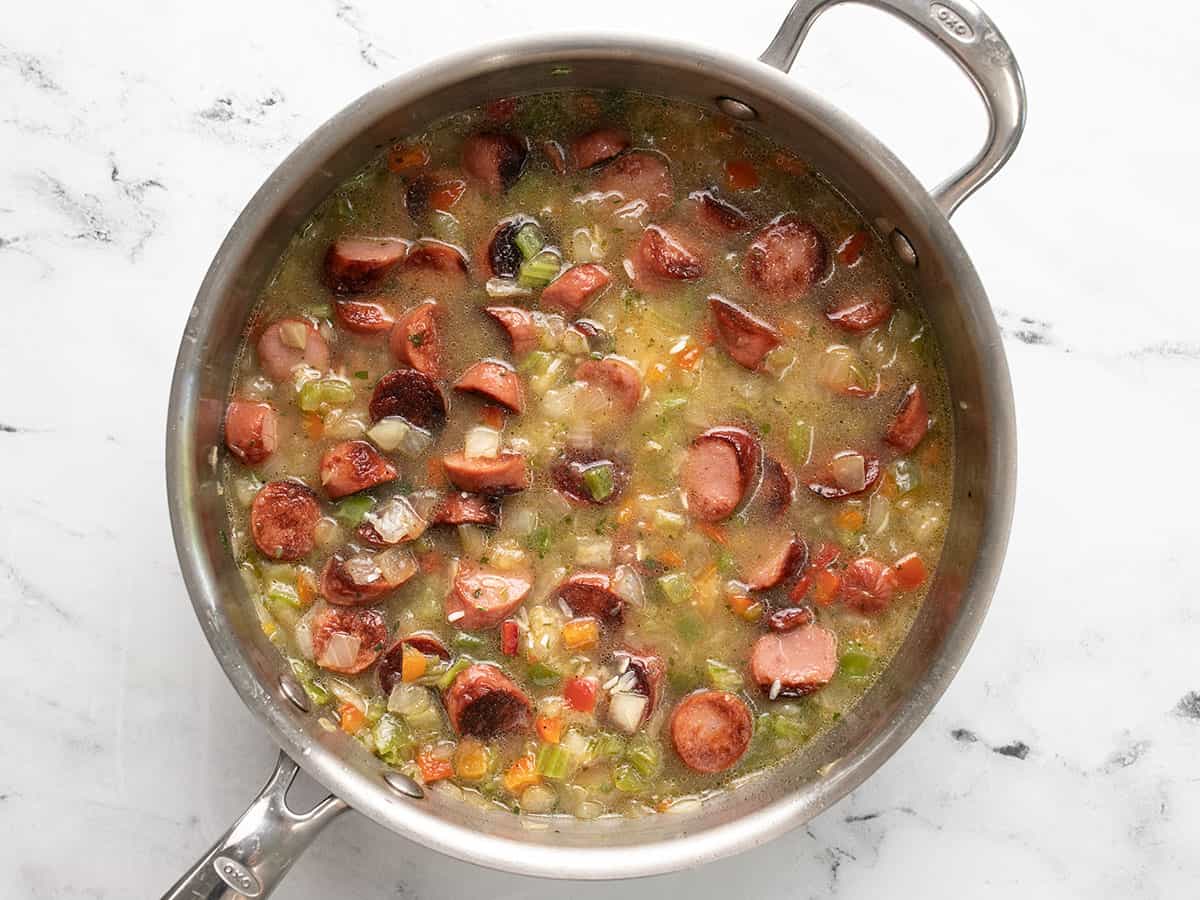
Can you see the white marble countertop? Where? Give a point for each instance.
(1063, 761)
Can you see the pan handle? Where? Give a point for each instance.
(254, 855)
(964, 32)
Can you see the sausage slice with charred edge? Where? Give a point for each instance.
(392, 522)
(711, 730)
(496, 160)
(416, 340)
(411, 395)
(641, 177)
(494, 380)
(359, 264)
(438, 256)
(598, 146)
(289, 343)
(490, 475)
(720, 468)
(618, 378)
(745, 337)
(484, 596)
(483, 702)
(826, 486)
(798, 661)
(364, 625)
(781, 561)
(391, 664)
(592, 594)
(363, 579)
(520, 325)
(640, 673)
(568, 469)
(353, 466)
(786, 258)
(663, 255)
(462, 508)
(774, 494)
(283, 518)
(908, 426)
(790, 618)
(575, 288)
(717, 214)
(863, 310)
(251, 430)
(868, 585)
(362, 317)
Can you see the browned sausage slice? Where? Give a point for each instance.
(774, 494)
(827, 485)
(283, 517)
(347, 640)
(490, 475)
(362, 317)
(496, 160)
(362, 579)
(664, 255)
(794, 663)
(640, 673)
(288, 343)
(790, 618)
(412, 395)
(720, 467)
(461, 508)
(865, 309)
(591, 594)
(437, 256)
(520, 325)
(251, 430)
(868, 585)
(598, 146)
(391, 664)
(484, 702)
(481, 597)
(575, 288)
(777, 563)
(640, 177)
(358, 264)
(618, 378)
(745, 337)
(494, 380)
(786, 258)
(416, 341)
(568, 470)
(718, 215)
(907, 428)
(353, 466)
(711, 730)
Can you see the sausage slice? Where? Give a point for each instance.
(567, 473)
(711, 730)
(362, 317)
(717, 214)
(662, 254)
(591, 594)
(496, 160)
(720, 468)
(641, 177)
(437, 256)
(868, 585)
(790, 618)
(618, 378)
(828, 487)
(251, 430)
(289, 343)
(489, 475)
(412, 395)
(798, 661)
(353, 466)
(598, 146)
(745, 337)
(503, 255)
(416, 341)
(461, 508)
(358, 264)
(392, 522)
(520, 325)
(483, 702)
(907, 428)
(283, 517)
(780, 561)
(494, 380)
(641, 674)
(360, 634)
(362, 579)
(863, 310)
(391, 664)
(774, 494)
(484, 596)
(575, 288)
(786, 258)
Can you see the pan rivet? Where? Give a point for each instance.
(293, 690)
(736, 109)
(904, 248)
(402, 784)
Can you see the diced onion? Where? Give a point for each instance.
(346, 693)
(538, 798)
(576, 744)
(627, 583)
(415, 442)
(593, 551)
(388, 432)
(245, 490)
(685, 805)
(342, 425)
(474, 540)
(408, 699)
(396, 521)
(556, 404)
(327, 532)
(587, 245)
(294, 334)
(302, 634)
(552, 328)
(397, 565)
(506, 556)
(505, 289)
(878, 513)
(625, 710)
(836, 371)
(849, 471)
(362, 569)
(481, 442)
(574, 342)
(340, 652)
(521, 520)
(924, 521)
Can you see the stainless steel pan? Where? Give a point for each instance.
(256, 852)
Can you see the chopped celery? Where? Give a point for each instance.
(362, 374)
(721, 676)
(786, 727)
(350, 511)
(282, 592)
(445, 227)
(467, 643)
(336, 393)
(690, 627)
(308, 680)
(906, 474)
(668, 522)
(800, 442)
(529, 240)
(553, 761)
(644, 756)
(671, 404)
(676, 587)
(626, 779)
(310, 396)
(393, 742)
(543, 676)
(726, 564)
(855, 661)
(320, 310)
(447, 677)
(607, 745)
(538, 540)
(539, 271)
(599, 481)
(536, 363)
(683, 681)
(376, 707)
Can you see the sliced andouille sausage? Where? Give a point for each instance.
(483, 702)
(482, 597)
(362, 317)
(868, 585)
(592, 594)
(496, 160)
(347, 640)
(503, 255)
(745, 337)
(795, 662)
(574, 289)
(391, 663)
(718, 215)
(637, 690)
(569, 468)
(790, 618)
(711, 730)
(618, 378)
(494, 380)
(289, 343)
(641, 177)
(392, 522)
(598, 338)
(664, 254)
(831, 487)
(489, 475)
(774, 494)
(721, 466)
(353, 466)
(440, 188)
(438, 256)
(520, 325)
(908, 426)
(283, 518)
(786, 258)
(411, 395)
(598, 146)
(866, 308)
(781, 560)
(251, 430)
(556, 156)
(462, 508)
(416, 340)
(362, 579)
(361, 263)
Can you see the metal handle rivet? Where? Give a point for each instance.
(402, 784)
(294, 691)
(904, 248)
(736, 109)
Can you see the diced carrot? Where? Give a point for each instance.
(412, 664)
(493, 417)
(910, 571)
(306, 588)
(740, 175)
(430, 561)
(713, 532)
(656, 373)
(437, 474)
(851, 249)
(671, 559)
(581, 633)
(849, 519)
(549, 728)
(501, 110)
(351, 717)
(785, 162)
(521, 774)
(827, 554)
(746, 607)
(887, 486)
(825, 587)
(510, 633)
(689, 357)
(470, 759)
(314, 426)
(404, 160)
(580, 693)
(433, 768)
(447, 194)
